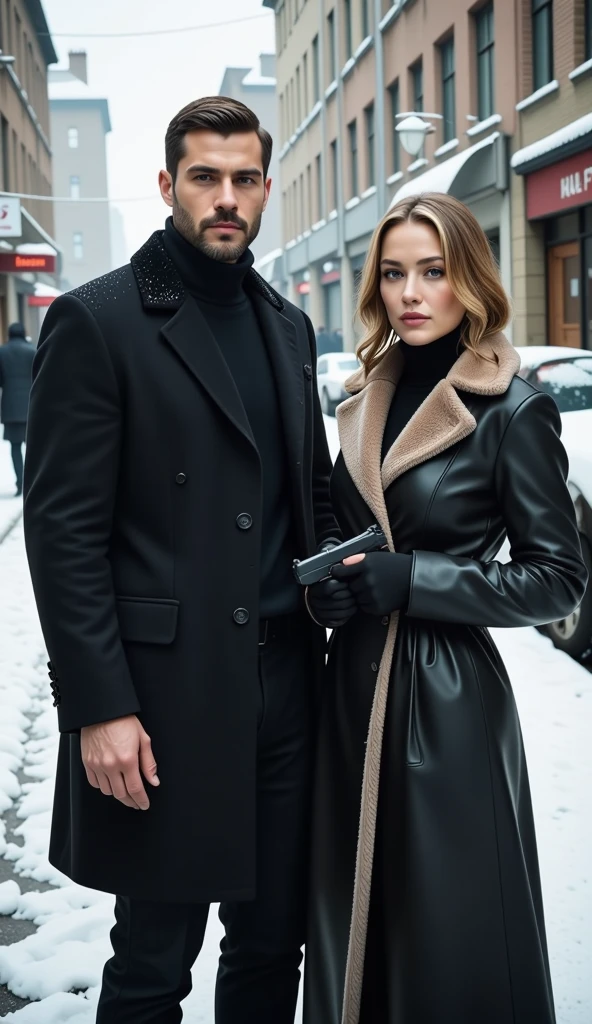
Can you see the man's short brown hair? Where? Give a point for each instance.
(215, 114)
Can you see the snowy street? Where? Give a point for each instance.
(59, 964)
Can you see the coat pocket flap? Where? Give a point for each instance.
(147, 620)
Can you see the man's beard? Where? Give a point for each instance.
(224, 252)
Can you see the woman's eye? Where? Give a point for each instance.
(437, 271)
(389, 275)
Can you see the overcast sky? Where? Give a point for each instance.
(147, 80)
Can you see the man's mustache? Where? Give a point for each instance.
(227, 218)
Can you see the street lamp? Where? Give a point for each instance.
(6, 58)
(413, 130)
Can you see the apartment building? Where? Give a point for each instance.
(80, 124)
(348, 72)
(256, 87)
(28, 252)
(552, 175)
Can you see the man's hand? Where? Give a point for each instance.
(113, 754)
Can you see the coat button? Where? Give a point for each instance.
(241, 616)
(374, 667)
(244, 521)
(180, 478)
(385, 620)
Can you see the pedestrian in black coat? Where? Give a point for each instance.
(16, 362)
(177, 463)
(426, 903)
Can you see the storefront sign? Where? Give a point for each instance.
(560, 187)
(10, 218)
(18, 263)
(40, 300)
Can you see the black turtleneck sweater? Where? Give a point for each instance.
(425, 366)
(218, 289)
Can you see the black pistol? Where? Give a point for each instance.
(313, 570)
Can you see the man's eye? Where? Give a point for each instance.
(203, 177)
(246, 181)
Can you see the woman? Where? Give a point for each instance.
(435, 915)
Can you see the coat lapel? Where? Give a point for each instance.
(286, 362)
(440, 422)
(192, 340)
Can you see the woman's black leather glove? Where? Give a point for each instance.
(330, 603)
(380, 582)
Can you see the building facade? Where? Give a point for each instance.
(28, 251)
(256, 88)
(552, 175)
(80, 124)
(347, 70)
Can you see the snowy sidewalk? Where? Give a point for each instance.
(65, 955)
(10, 506)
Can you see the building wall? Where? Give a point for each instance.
(262, 99)
(89, 163)
(571, 100)
(25, 153)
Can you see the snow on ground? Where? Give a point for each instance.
(67, 952)
(10, 507)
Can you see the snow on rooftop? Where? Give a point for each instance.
(36, 249)
(569, 133)
(72, 89)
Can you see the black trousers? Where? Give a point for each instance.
(16, 451)
(155, 945)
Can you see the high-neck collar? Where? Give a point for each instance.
(209, 280)
(428, 364)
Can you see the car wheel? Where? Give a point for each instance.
(326, 403)
(574, 634)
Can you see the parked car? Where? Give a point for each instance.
(333, 369)
(566, 375)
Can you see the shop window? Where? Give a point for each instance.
(485, 62)
(73, 138)
(352, 131)
(588, 220)
(448, 89)
(588, 291)
(395, 109)
(542, 43)
(563, 229)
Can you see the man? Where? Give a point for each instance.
(323, 341)
(16, 361)
(176, 465)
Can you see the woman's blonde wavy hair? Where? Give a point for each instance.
(470, 267)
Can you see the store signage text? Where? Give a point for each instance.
(15, 263)
(560, 187)
(10, 218)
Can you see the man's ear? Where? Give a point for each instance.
(165, 184)
(267, 191)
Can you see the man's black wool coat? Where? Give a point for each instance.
(141, 477)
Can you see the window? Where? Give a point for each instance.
(448, 90)
(347, 18)
(305, 82)
(6, 176)
(588, 29)
(319, 181)
(78, 246)
(371, 166)
(352, 131)
(417, 86)
(485, 58)
(316, 71)
(73, 138)
(542, 43)
(365, 19)
(309, 214)
(331, 42)
(298, 99)
(74, 186)
(395, 109)
(334, 174)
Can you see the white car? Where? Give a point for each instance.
(333, 369)
(566, 375)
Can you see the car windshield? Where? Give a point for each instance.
(348, 363)
(568, 381)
